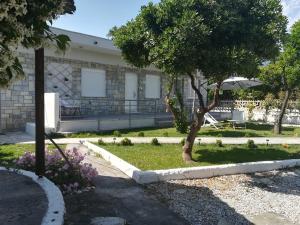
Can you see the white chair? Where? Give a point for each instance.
(238, 119)
(211, 121)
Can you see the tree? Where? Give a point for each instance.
(219, 38)
(284, 72)
(26, 23)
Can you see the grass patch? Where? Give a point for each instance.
(253, 130)
(167, 156)
(10, 152)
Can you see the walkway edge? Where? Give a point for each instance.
(56, 205)
(151, 176)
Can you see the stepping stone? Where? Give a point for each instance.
(108, 221)
(270, 219)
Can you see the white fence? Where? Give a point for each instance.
(258, 112)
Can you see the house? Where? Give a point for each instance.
(93, 83)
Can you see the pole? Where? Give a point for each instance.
(39, 113)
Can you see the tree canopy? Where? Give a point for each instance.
(284, 71)
(220, 37)
(26, 23)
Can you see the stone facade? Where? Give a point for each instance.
(63, 75)
(17, 101)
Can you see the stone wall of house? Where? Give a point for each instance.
(17, 101)
(64, 76)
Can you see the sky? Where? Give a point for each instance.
(97, 17)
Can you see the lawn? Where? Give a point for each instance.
(166, 156)
(253, 130)
(10, 152)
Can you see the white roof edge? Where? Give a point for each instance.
(89, 41)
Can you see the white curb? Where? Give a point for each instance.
(56, 205)
(150, 176)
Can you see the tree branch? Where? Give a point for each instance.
(216, 99)
(197, 91)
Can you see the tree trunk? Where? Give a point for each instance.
(278, 121)
(188, 146)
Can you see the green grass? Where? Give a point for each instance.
(10, 152)
(166, 156)
(253, 130)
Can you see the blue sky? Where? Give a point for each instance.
(96, 17)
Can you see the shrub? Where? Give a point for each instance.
(101, 142)
(141, 134)
(285, 145)
(247, 135)
(126, 142)
(166, 134)
(155, 141)
(219, 143)
(219, 135)
(117, 133)
(182, 141)
(69, 179)
(251, 144)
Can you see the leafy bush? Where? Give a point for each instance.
(166, 134)
(219, 135)
(126, 142)
(251, 144)
(219, 143)
(285, 145)
(182, 141)
(101, 142)
(247, 135)
(141, 134)
(117, 133)
(69, 179)
(155, 141)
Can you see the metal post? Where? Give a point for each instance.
(155, 109)
(129, 114)
(39, 113)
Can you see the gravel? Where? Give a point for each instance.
(260, 198)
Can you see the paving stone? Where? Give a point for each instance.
(270, 219)
(108, 221)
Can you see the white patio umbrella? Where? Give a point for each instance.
(234, 83)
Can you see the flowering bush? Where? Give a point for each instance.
(69, 179)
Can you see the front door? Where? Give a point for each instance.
(131, 83)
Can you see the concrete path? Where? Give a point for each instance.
(23, 138)
(22, 201)
(116, 195)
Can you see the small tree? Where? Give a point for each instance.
(219, 38)
(26, 23)
(284, 72)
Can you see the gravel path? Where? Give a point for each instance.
(261, 198)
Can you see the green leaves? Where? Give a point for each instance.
(25, 23)
(220, 37)
(285, 70)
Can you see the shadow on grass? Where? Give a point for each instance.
(238, 154)
(283, 181)
(228, 133)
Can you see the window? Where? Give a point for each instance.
(93, 83)
(152, 86)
